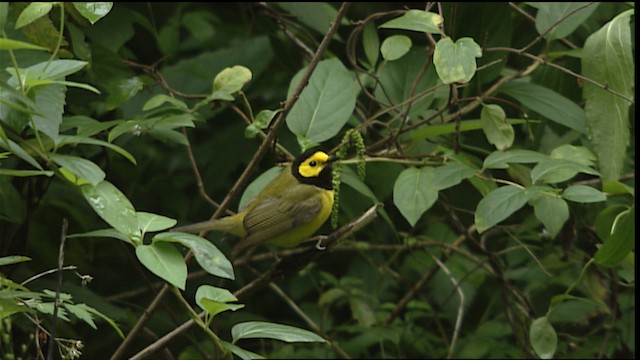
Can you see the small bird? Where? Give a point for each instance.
(290, 209)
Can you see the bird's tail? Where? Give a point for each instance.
(229, 224)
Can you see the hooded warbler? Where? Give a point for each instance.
(287, 211)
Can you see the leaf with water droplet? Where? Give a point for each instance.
(112, 206)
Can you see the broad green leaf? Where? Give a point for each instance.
(557, 20)
(499, 205)
(495, 127)
(80, 167)
(429, 131)
(583, 194)
(260, 329)
(547, 103)
(621, 241)
(112, 206)
(549, 208)
(231, 79)
(325, 104)
(502, 159)
(33, 12)
(450, 174)
(120, 91)
(50, 100)
(416, 20)
(456, 62)
(164, 260)
(208, 256)
(10, 44)
(110, 233)
(543, 338)
(371, 43)
(215, 300)
(618, 188)
(414, 193)
(395, 47)
(14, 259)
(579, 154)
(608, 59)
(553, 171)
(73, 140)
(257, 185)
(93, 11)
(153, 222)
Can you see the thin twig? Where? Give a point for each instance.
(56, 305)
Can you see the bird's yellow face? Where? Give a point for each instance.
(313, 165)
(313, 168)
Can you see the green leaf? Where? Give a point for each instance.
(498, 205)
(316, 15)
(93, 11)
(605, 220)
(553, 171)
(50, 100)
(371, 43)
(208, 256)
(33, 12)
(80, 311)
(543, 338)
(325, 104)
(496, 128)
(240, 352)
(231, 79)
(416, 20)
(579, 154)
(110, 233)
(413, 192)
(621, 241)
(260, 329)
(112, 206)
(261, 122)
(73, 140)
(105, 318)
(547, 103)
(10, 44)
(456, 62)
(549, 208)
(153, 222)
(502, 159)
(80, 167)
(160, 99)
(14, 259)
(25, 173)
(583, 194)
(54, 70)
(12, 207)
(165, 261)
(395, 47)
(608, 59)
(450, 175)
(562, 17)
(406, 77)
(215, 300)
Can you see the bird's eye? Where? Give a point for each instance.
(312, 164)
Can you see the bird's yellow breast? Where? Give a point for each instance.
(304, 231)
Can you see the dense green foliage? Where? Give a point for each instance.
(488, 174)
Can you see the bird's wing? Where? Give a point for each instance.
(277, 214)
